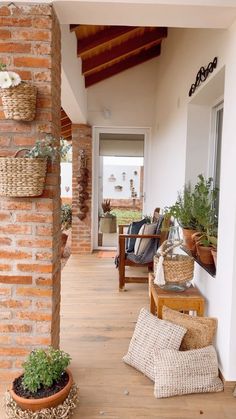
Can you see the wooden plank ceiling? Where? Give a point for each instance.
(65, 126)
(108, 50)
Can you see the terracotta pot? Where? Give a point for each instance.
(46, 402)
(189, 241)
(64, 238)
(214, 255)
(204, 254)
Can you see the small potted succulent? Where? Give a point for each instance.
(18, 97)
(66, 223)
(45, 383)
(107, 220)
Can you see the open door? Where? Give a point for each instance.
(119, 183)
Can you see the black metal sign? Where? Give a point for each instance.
(202, 75)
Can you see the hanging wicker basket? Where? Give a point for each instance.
(19, 102)
(22, 176)
(177, 268)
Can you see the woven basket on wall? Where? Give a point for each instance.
(177, 268)
(22, 176)
(19, 102)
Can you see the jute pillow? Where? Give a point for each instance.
(178, 373)
(151, 332)
(200, 330)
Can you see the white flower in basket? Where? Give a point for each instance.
(8, 78)
(18, 97)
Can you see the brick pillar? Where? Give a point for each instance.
(30, 227)
(81, 230)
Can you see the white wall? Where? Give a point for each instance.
(66, 180)
(73, 92)
(109, 190)
(184, 53)
(130, 97)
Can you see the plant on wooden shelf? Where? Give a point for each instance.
(18, 97)
(45, 383)
(66, 223)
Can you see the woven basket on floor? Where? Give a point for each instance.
(22, 176)
(19, 102)
(177, 268)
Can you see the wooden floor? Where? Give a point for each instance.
(96, 326)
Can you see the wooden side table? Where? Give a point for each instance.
(188, 300)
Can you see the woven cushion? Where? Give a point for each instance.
(178, 373)
(151, 332)
(133, 228)
(141, 244)
(200, 330)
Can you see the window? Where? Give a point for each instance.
(217, 139)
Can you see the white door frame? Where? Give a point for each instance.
(97, 130)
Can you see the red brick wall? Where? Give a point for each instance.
(81, 230)
(30, 228)
(136, 203)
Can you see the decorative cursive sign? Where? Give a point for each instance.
(202, 75)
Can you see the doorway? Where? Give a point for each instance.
(119, 182)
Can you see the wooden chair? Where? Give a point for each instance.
(124, 261)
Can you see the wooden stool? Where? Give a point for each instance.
(189, 300)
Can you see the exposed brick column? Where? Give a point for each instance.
(81, 230)
(30, 227)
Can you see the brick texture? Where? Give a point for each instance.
(30, 227)
(81, 230)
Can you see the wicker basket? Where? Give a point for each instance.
(19, 102)
(22, 176)
(177, 268)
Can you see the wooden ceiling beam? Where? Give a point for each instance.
(125, 48)
(123, 65)
(102, 37)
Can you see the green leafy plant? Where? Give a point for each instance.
(48, 148)
(183, 209)
(42, 368)
(204, 205)
(66, 217)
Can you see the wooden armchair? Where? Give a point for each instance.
(127, 260)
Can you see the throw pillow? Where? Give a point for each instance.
(151, 332)
(141, 244)
(178, 373)
(133, 228)
(200, 330)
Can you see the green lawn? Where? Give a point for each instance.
(126, 216)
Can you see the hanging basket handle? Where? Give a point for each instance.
(168, 249)
(18, 151)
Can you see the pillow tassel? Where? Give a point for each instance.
(160, 276)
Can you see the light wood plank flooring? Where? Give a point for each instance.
(96, 326)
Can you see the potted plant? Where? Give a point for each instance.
(183, 212)
(107, 220)
(66, 223)
(18, 97)
(24, 174)
(204, 209)
(45, 383)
